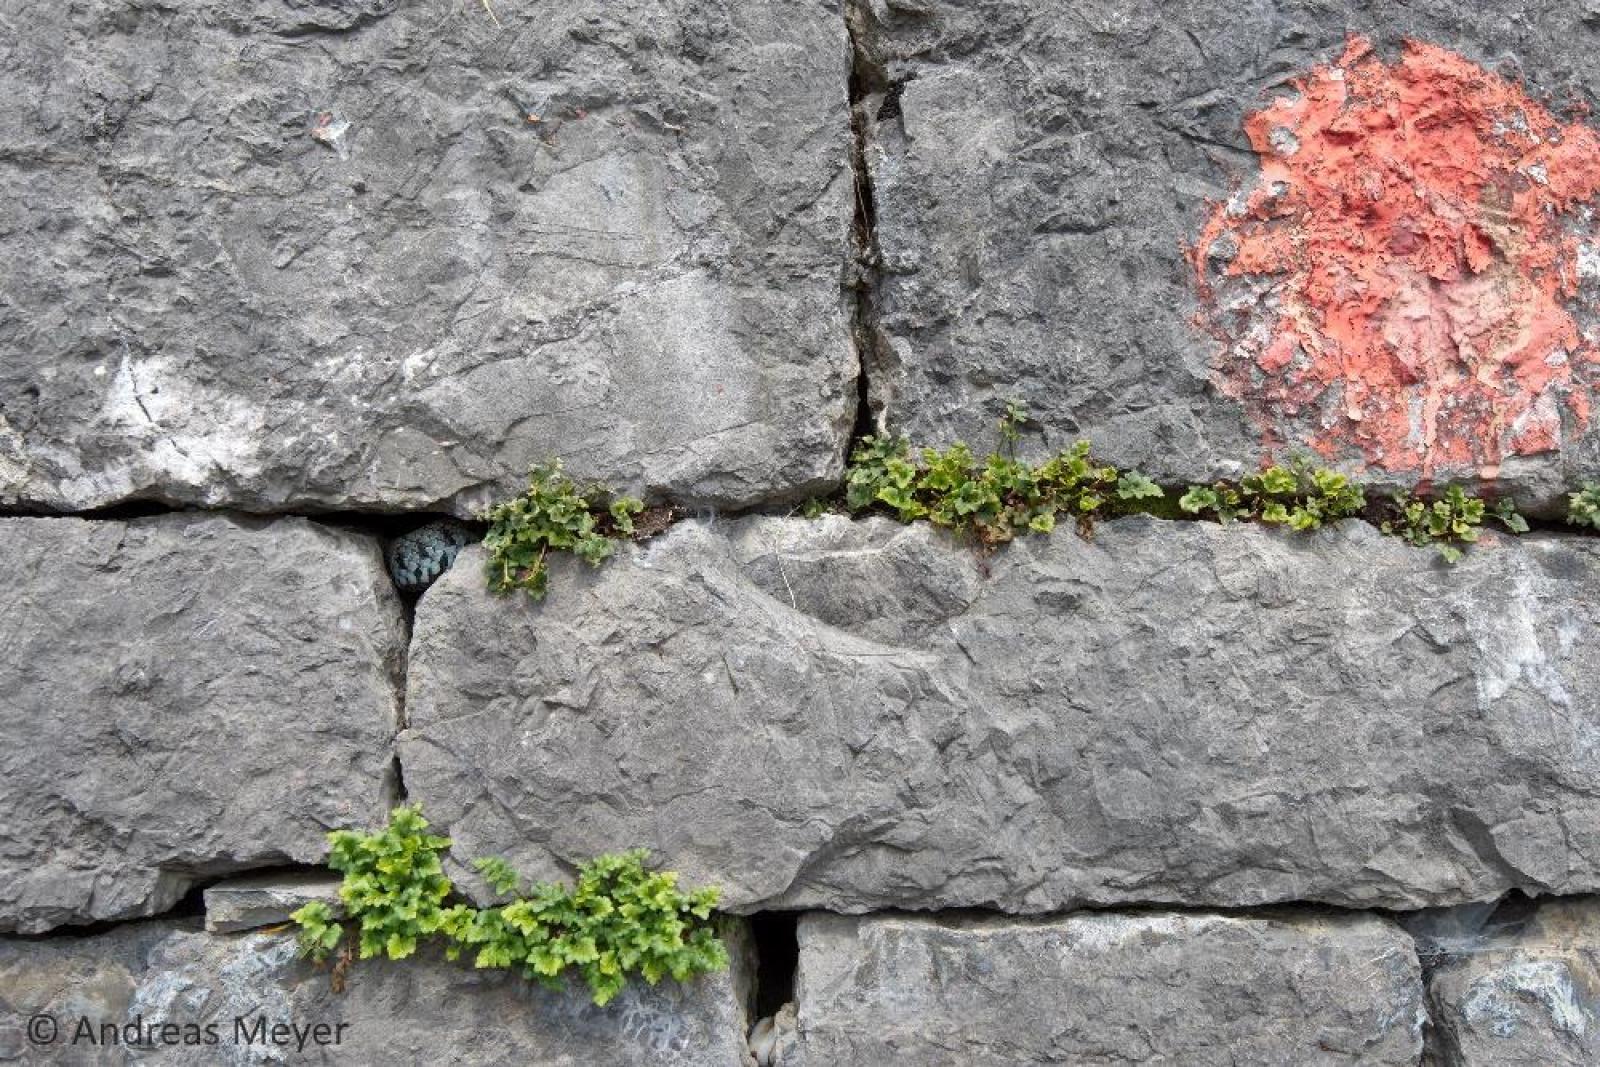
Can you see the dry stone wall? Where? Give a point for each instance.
(289, 286)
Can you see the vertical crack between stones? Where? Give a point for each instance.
(397, 780)
(773, 960)
(777, 952)
(865, 83)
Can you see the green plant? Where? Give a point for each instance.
(553, 513)
(1584, 507)
(618, 920)
(394, 889)
(1299, 496)
(998, 498)
(1453, 520)
(995, 499)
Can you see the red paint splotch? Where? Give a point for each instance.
(1398, 287)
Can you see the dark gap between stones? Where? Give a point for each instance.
(189, 910)
(777, 947)
(864, 83)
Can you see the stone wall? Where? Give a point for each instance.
(286, 279)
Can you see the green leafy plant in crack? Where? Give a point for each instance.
(1450, 522)
(554, 513)
(997, 498)
(1583, 507)
(1299, 496)
(619, 920)
(393, 891)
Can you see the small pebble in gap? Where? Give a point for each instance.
(773, 1040)
(417, 558)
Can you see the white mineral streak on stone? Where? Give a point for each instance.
(1284, 142)
(1498, 1001)
(1510, 649)
(13, 461)
(192, 433)
(1588, 262)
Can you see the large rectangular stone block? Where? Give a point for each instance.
(857, 715)
(1177, 988)
(1074, 209)
(183, 697)
(270, 255)
(421, 1010)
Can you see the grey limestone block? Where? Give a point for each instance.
(421, 1010)
(185, 697)
(275, 255)
(856, 715)
(1149, 987)
(252, 901)
(1043, 176)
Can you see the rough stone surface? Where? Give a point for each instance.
(421, 1010)
(851, 716)
(258, 900)
(1040, 170)
(1107, 988)
(1526, 996)
(181, 698)
(271, 254)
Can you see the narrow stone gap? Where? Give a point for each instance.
(122, 511)
(774, 935)
(865, 86)
(377, 523)
(397, 775)
(1507, 911)
(385, 526)
(189, 908)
